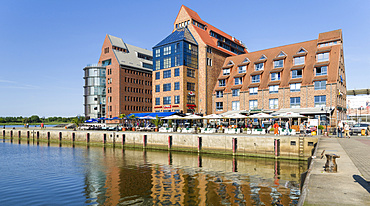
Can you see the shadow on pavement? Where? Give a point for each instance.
(365, 184)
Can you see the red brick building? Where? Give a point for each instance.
(128, 77)
(303, 75)
(187, 64)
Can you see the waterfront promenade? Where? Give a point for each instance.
(351, 184)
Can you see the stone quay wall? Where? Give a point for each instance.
(269, 146)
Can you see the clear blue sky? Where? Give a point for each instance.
(44, 45)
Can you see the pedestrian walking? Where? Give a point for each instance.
(346, 130)
(287, 128)
(340, 129)
(276, 129)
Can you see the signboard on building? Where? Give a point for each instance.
(313, 123)
(167, 107)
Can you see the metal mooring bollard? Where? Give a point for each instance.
(331, 165)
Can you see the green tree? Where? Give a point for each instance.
(157, 121)
(78, 120)
(34, 119)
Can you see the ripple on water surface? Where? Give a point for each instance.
(34, 174)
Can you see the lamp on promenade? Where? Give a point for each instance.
(326, 118)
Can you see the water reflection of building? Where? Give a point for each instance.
(132, 177)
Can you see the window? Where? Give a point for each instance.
(279, 63)
(297, 73)
(219, 94)
(320, 101)
(262, 57)
(177, 47)
(273, 89)
(253, 104)
(166, 62)
(209, 61)
(299, 60)
(190, 99)
(275, 76)
(226, 71)
(295, 102)
(209, 49)
(219, 106)
(106, 62)
(167, 87)
(236, 92)
(274, 104)
(296, 87)
(177, 72)
(255, 78)
(190, 73)
(157, 75)
(253, 91)
(157, 52)
(177, 99)
(321, 71)
(177, 61)
(238, 81)
(235, 105)
(258, 67)
(222, 82)
(242, 69)
(157, 101)
(281, 54)
(157, 88)
(167, 50)
(148, 66)
(320, 85)
(166, 74)
(190, 86)
(106, 50)
(177, 85)
(322, 57)
(166, 100)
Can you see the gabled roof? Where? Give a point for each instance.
(182, 34)
(205, 36)
(116, 41)
(129, 58)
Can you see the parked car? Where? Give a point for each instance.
(356, 128)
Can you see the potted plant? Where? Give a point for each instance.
(157, 121)
(320, 129)
(123, 116)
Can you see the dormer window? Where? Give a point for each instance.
(320, 71)
(246, 60)
(281, 54)
(230, 63)
(302, 50)
(226, 71)
(279, 63)
(238, 81)
(258, 66)
(322, 57)
(299, 60)
(263, 57)
(242, 69)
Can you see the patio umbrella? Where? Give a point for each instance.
(193, 116)
(172, 117)
(261, 116)
(146, 117)
(213, 116)
(115, 118)
(91, 120)
(235, 116)
(290, 115)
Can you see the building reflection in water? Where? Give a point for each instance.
(158, 178)
(132, 177)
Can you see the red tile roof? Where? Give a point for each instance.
(206, 37)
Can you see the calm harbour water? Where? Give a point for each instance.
(34, 173)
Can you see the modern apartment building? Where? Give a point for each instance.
(304, 75)
(128, 77)
(94, 91)
(187, 64)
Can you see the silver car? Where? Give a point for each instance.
(356, 128)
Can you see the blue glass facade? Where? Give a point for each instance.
(178, 49)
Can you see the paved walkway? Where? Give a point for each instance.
(348, 186)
